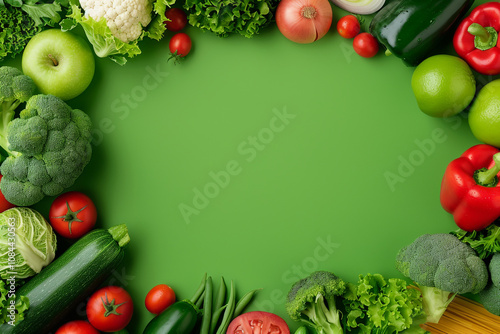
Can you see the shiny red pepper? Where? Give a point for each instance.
(470, 188)
(476, 39)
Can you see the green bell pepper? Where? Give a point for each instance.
(413, 29)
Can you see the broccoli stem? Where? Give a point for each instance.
(435, 302)
(324, 319)
(8, 112)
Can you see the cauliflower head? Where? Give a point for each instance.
(125, 18)
(49, 146)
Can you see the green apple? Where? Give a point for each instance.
(60, 63)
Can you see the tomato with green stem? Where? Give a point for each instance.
(348, 26)
(180, 44)
(110, 309)
(72, 214)
(159, 298)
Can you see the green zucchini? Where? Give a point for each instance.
(58, 288)
(179, 318)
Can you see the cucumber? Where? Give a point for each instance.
(179, 318)
(58, 288)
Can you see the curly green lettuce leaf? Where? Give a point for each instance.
(224, 17)
(156, 28)
(16, 29)
(9, 314)
(485, 242)
(377, 305)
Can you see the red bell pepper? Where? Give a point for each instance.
(476, 39)
(470, 189)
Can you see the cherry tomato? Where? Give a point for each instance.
(4, 204)
(365, 45)
(72, 214)
(110, 309)
(181, 43)
(265, 321)
(77, 327)
(177, 17)
(159, 298)
(348, 26)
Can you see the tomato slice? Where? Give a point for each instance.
(257, 322)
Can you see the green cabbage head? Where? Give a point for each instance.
(27, 243)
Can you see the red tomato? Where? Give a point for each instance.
(177, 17)
(110, 309)
(77, 327)
(72, 214)
(365, 45)
(181, 43)
(304, 21)
(159, 298)
(4, 204)
(348, 26)
(265, 321)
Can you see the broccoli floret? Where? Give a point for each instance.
(312, 300)
(440, 265)
(15, 88)
(48, 146)
(494, 267)
(490, 297)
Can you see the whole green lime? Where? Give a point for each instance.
(443, 85)
(484, 115)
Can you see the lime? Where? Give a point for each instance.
(484, 115)
(443, 85)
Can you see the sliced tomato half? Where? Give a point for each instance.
(257, 322)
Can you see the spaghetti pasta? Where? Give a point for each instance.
(464, 316)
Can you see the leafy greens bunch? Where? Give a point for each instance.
(16, 29)
(43, 12)
(20, 20)
(329, 305)
(485, 242)
(21, 305)
(224, 17)
(379, 306)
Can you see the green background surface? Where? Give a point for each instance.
(349, 178)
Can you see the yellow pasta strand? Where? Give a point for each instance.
(464, 316)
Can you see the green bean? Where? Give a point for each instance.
(216, 316)
(207, 308)
(243, 302)
(200, 290)
(229, 312)
(221, 296)
(200, 300)
(219, 302)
